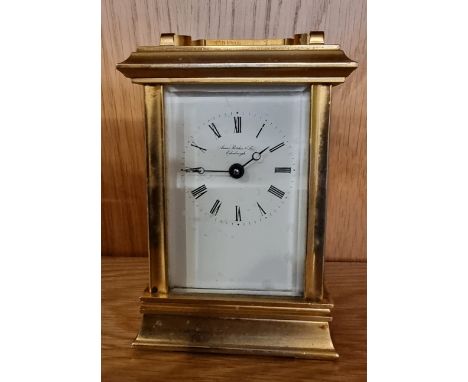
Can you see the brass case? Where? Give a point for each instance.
(293, 326)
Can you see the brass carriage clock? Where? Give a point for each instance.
(237, 138)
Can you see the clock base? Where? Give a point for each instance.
(286, 329)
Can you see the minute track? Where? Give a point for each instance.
(249, 152)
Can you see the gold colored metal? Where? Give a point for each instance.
(222, 305)
(301, 339)
(304, 56)
(237, 324)
(284, 326)
(172, 39)
(154, 110)
(263, 42)
(317, 37)
(320, 98)
(240, 80)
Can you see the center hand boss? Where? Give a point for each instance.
(256, 156)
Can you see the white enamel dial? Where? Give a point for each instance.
(236, 186)
(261, 160)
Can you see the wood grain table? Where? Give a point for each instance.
(123, 280)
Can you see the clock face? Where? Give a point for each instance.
(236, 169)
(240, 168)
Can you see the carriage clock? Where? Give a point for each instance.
(237, 139)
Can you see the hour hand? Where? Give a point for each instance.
(200, 170)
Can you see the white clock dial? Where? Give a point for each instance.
(236, 170)
(239, 166)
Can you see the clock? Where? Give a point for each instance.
(237, 137)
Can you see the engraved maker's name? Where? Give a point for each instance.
(236, 150)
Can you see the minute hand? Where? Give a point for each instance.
(256, 156)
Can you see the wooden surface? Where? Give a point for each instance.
(128, 23)
(123, 280)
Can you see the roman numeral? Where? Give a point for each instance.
(283, 169)
(198, 147)
(214, 210)
(275, 191)
(214, 130)
(199, 191)
(237, 124)
(259, 131)
(238, 214)
(262, 211)
(277, 147)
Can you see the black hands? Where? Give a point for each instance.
(200, 170)
(236, 170)
(256, 156)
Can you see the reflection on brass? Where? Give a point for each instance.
(154, 110)
(301, 339)
(171, 39)
(280, 326)
(303, 56)
(240, 80)
(318, 158)
(285, 326)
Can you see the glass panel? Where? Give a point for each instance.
(236, 169)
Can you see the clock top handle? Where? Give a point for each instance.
(311, 38)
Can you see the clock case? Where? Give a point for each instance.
(283, 326)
